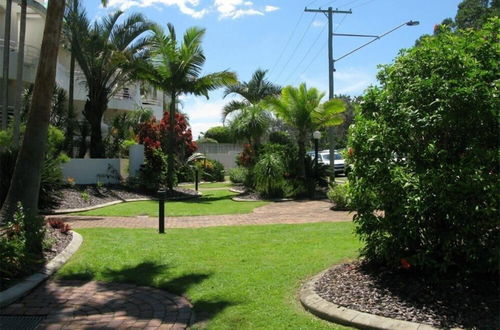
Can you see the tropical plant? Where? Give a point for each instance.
(108, 53)
(238, 174)
(25, 182)
(301, 108)
(424, 154)
(338, 195)
(251, 123)
(176, 69)
(252, 92)
(269, 175)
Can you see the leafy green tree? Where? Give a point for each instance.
(302, 108)
(474, 13)
(252, 92)
(221, 134)
(108, 53)
(424, 151)
(176, 69)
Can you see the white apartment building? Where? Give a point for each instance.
(129, 98)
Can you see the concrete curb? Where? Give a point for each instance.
(29, 283)
(98, 206)
(326, 310)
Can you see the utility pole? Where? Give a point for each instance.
(331, 130)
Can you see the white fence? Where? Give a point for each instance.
(223, 152)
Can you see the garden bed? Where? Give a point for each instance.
(79, 197)
(452, 302)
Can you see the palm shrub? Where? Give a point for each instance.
(268, 175)
(424, 154)
(238, 174)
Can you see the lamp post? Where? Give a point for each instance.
(161, 210)
(316, 137)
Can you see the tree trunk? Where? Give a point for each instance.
(19, 74)
(6, 59)
(302, 154)
(94, 110)
(171, 144)
(70, 125)
(25, 184)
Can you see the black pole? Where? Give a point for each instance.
(196, 179)
(161, 211)
(316, 153)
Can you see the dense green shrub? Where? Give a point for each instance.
(20, 247)
(220, 134)
(52, 176)
(424, 153)
(268, 175)
(280, 137)
(238, 174)
(338, 195)
(211, 170)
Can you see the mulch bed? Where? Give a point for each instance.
(90, 195)
(454, 302)
(59, 242)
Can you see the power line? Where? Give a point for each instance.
(306, 54)
(288, 42)
(296, 47)
(311, 62)
(364, 3)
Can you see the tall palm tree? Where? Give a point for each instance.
(252, 92)
(251, 122)
(19, 73)
(301, 108)
(6, 59)
(108, 53)
(176, 69)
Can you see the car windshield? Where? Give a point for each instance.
(327, 156)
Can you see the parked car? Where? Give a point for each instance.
(324, 158)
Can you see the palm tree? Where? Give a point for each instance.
(252, 92)
(301, 108)
(6, 59)
(19, 73)
(251, 122)
(176, 68)
(108, 53)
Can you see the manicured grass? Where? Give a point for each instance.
(244, 277)
(212, 202)
(209, 185)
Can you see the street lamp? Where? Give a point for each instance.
(316, 137)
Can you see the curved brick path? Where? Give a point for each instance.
(92, 305)
(280, 212)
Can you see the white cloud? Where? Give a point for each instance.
(235, 9)
(188, 7)
(230, 9)
(269, 9)
(319, 23)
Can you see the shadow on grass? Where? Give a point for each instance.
(152, 274)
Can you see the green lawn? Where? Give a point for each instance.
(212, 202)
(209, 185)
(244, 277)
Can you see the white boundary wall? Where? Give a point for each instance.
(105, 170)
(223, 152)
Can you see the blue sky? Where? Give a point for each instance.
(243, 35)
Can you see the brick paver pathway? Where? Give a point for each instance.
(98, 305)
(292, 212)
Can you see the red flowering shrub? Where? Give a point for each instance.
(154, 136)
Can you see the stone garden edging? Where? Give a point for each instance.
(29, 283)
(326, 310)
